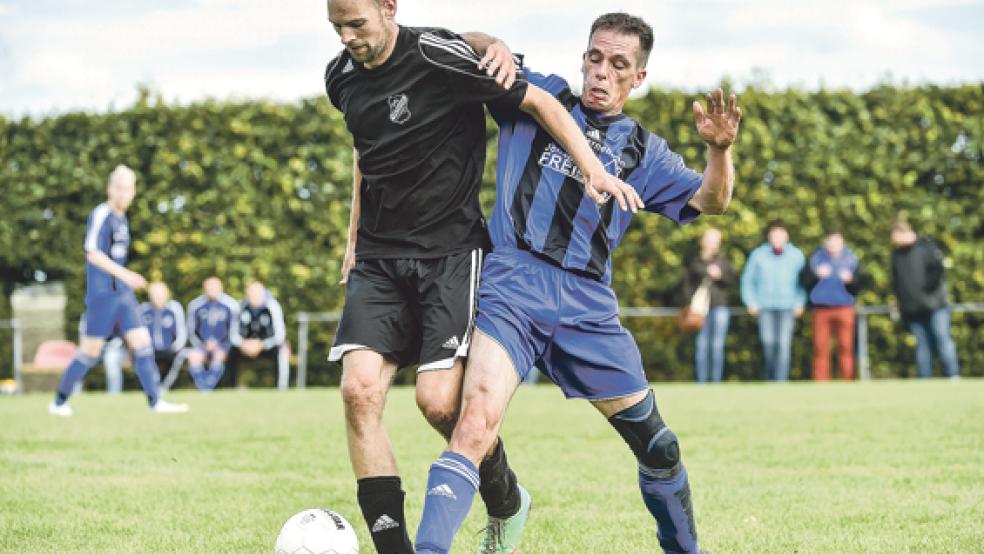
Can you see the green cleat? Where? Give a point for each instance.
(502, 536)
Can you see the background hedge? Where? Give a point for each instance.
(259, 189)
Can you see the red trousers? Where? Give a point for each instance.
(839, 322)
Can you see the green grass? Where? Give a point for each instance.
(876, 467)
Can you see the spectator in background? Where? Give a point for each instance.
(261, 333)
(210, 326)
(917, 277)
(165, 319)
(833, 277)
(770, 289)
(711, 266)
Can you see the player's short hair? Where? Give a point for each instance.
(628, 25)
(901, 225)
(832, 232)
(122, 172)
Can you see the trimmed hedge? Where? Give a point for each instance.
(257, 189)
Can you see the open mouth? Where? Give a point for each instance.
(598, 92)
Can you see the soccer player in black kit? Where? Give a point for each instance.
(413, 101)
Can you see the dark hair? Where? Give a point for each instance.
(629, 25)
(775, 224)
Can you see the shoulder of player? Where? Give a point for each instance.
(197, 303)
(175, 307)
(448, 51)
(100, 213)
(229, 302)
(336, 68)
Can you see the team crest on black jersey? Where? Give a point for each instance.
(399, 106)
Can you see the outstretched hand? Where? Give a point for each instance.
(718, 126)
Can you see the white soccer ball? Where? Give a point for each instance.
(317, 531)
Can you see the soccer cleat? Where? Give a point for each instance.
(63, 410)
(165, 407)
(502, 536)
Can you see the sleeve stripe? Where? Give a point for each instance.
(476, 74)
(99, 216)
(458, 47)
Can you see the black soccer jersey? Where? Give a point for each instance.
(418, 124)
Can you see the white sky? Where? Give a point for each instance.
(59, 55)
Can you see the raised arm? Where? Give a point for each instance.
(557, 121)
(718, 126)
(348, 262)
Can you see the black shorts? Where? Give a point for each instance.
(415, 311)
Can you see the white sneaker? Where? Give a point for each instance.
(165, 407)
(64, 410)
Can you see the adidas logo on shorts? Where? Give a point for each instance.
(442, 490)
(383, 523)
(451, 344)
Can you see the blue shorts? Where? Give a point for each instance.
(565, 324)
(109, 313)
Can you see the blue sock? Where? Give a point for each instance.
(197, 372)
(451, 487)
(81, 364)
(146, 368)
(666, 493)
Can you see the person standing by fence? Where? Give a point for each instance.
(770, 289)
(833, 277)
(710, 267)
(920, 289)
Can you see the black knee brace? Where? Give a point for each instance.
(652, 442)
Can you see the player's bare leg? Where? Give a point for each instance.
(439, 397)
(138, 339)
(366, 378)
(662, 475)
(489, 384)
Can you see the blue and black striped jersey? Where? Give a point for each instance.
(540, 201)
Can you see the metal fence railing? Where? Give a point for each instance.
(17, 355)
(304, 320)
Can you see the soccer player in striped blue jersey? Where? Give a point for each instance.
(413, 102)
(545, 297)
(110, 304)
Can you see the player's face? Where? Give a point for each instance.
(365, 27)
(255, 294)
(611, 70)
(212, 287)
(158, 294)
(121, 192)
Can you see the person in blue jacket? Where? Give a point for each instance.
(165, 319)
(211, 317)
(771, 290)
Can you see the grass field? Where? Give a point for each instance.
(875, 467)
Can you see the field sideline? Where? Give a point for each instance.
(891, 466)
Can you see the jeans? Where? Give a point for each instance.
(710, 345)
(776, 333)
(933, 333)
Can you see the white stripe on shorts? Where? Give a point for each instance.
(337, 352)
(476, 279)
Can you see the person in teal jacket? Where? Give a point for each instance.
(771, 290)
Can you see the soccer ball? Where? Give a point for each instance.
(317, 531)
